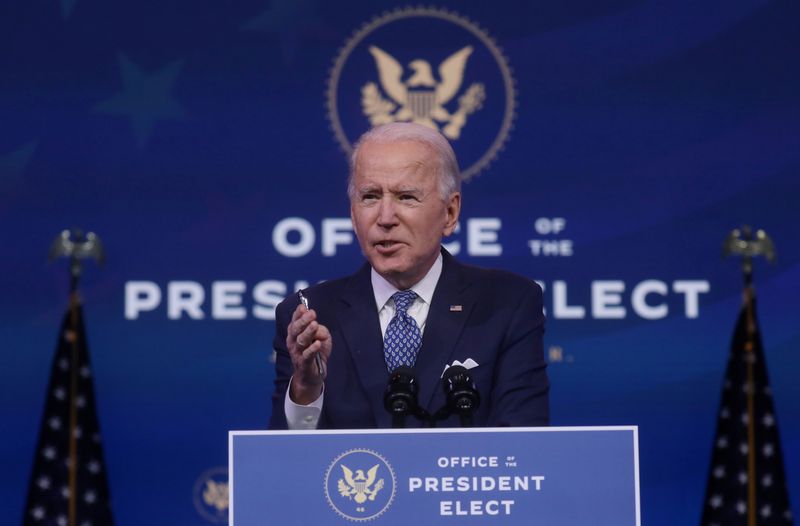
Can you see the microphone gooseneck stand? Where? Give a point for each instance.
(461, 395)
(400, 397)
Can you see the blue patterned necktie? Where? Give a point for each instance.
(403, 338)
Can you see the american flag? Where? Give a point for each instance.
(69, 435)
(746, 481)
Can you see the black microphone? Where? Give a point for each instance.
(400, 397)
(462, 396)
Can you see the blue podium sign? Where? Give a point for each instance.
(509, 476)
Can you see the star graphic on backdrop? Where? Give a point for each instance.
(13, 163)
(145, 97)
(289, 21)
(67, 6)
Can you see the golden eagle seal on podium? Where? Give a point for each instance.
(360, 485)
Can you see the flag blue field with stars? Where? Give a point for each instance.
(747, 480)
(55, 497)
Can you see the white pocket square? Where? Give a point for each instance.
(469, 363)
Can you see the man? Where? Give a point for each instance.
(412, 304)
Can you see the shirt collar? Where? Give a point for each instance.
(424, 288)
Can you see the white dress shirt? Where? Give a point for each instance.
(307, 416)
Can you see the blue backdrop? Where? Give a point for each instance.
(610, 146)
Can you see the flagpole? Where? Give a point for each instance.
(73, 408)
(743, 243)
(749, 296)
(74, 245)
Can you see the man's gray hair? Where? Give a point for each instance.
(448, 175)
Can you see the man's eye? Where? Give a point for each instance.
(407, 197)
(369, 197)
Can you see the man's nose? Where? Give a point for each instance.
(387, 216)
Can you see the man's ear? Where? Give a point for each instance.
(452, 210)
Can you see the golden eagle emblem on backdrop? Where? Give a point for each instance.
(216, 495)
(451, 76)
(359, 487)
(210, 495)
(420, 98)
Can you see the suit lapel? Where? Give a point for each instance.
(358, 319)
(442, 328)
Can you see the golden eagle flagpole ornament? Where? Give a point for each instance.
(741, 242)
(76, 246)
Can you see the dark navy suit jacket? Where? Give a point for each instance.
(500, 325)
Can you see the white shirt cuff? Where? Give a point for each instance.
(302, 416)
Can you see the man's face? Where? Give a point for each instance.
(398, 213)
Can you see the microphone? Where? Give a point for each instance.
(400, 397)
(461, 394)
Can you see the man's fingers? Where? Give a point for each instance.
(298, 311)
(307, 337)
(316, 338)
(300, 322)
(323, 337)
(323, 333)
(311, 350)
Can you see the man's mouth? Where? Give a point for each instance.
(387, 246)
